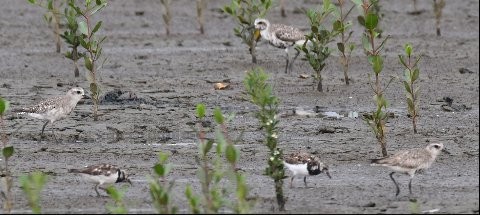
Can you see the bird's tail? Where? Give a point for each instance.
(375, 162)
(18, 110)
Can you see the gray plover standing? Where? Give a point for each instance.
(304, 164)
(101, 174)
(53, 109)
(281, 36)
(409, 161)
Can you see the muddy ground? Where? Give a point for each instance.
(165, 77)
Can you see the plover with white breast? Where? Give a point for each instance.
(281, 36)
(53, 109)
(304, 164)
(101, 174)
(410, 161)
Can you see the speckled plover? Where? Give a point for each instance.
(281, 36)
(304, 164)
(53, 109)
(102, 174)
(409, 161)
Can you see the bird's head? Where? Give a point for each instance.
(261, 24)
(76, 92)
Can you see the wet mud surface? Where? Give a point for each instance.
(151, 84)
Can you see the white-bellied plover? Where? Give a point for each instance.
(304, 164)
(281, 36)
(53, 109)
(102, 174)
(409, 161)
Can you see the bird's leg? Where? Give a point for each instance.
(286, 66)
(43, 129)
(296, 55)
(410, 186)
(305, 180)
(291, 181)
(396, 185)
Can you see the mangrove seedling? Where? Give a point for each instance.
(7, 152)
(91, 43)
(344, 46)
(167, 15)
(282, 8)
(212, 171)
(52, 17)
(411, 75)
(72, 37)
(160, 187)
(316, 44)
(201, 7)
(260, 93)
(32, 185)
(378, 118)
(117, 195)
(438, 6)
(245, 13)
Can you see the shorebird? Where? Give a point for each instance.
(409, 161)
(304, 164)
(281, 36)
(53, 109)
(102, 174)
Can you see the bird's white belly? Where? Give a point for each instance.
(100, 179)
(51, 115)
(297, 169)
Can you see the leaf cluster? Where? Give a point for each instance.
(117, 195)
(212, 171)
(49, 5)
(32, 185)
(343, 26)
(7, 152)
(245, 12)
(160, 188)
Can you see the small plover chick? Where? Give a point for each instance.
(409, 161)
(281, 36)
(53, 109)
(102, 174)
(304, 164)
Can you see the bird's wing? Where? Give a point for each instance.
(101, 169)
(41, 107)
(288, 33)
(298, 158)
(407, 159)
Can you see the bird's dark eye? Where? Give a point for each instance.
(436, 146)
(79, 92)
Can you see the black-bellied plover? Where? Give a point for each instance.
(53, 109)
(304, 164)
(281, 36)
(102, 174)
(409, 161)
